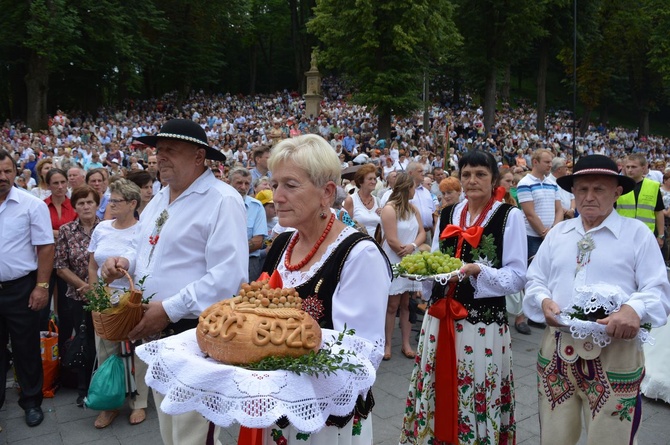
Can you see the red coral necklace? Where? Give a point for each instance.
(310, 255)
(480, 218)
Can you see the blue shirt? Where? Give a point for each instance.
(256, 221)
(348, 143)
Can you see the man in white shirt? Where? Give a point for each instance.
(559, 169)
(26, 262)
(76, 177)
(200, 255)
(422, 200)
(579, 377)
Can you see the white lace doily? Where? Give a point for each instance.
(227, 394)
(580, 329)
(590, 298)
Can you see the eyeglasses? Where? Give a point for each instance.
(117, 201)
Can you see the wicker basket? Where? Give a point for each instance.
(115, 323)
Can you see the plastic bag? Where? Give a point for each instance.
(50, 359)
(107, 390)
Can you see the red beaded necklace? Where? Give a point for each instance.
(482, 215)
(294, 241)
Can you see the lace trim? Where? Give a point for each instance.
(591, 298)
(581, 329)
(494, 282)
(227, 394)
(608, 297)
(298, 277)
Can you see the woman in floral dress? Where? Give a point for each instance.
(465, 338)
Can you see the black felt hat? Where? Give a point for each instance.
(184, 130)
(596, 165)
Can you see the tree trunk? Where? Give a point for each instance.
(253, 68)
(298, 46)
(37, 86)
(384, 125)
(644, 123)
(490, 99)
(542, 85)
(124, 78)
(456, 99)
(505, 87)
(604, 113)
(584, 124)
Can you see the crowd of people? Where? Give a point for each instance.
(200, 197)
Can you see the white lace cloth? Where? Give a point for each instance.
(590, 298)
(227, 394)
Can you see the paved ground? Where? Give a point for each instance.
(67, 424)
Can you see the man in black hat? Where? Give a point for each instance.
(606, 258)
(190, 247)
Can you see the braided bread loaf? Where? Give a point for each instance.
(259, 322)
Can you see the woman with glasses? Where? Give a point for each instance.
(113, 238)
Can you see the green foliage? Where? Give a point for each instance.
(323, 362)
(659, 43)
(384, 47)
(97, 297)
(486, 250)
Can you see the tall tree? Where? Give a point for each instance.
(659, 51)
(495, 33)
(384, 47)
(39, 35)
(626, 46)
(301, 12)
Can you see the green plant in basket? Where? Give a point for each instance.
(428, 263)
(323, 362)
(98, 297)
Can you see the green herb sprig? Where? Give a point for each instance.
(140, 287)
(97, 297)
(578, 313)
(324, 362)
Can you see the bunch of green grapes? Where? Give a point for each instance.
(429, 263)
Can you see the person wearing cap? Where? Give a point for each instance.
(187, 248)
(578, 377)
(265, 198)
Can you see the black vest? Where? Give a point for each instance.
(481, 310)
(317, 294)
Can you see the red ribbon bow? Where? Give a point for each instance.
(447, 310)
(499, 193)
(472, 234)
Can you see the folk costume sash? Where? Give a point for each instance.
(448, 310)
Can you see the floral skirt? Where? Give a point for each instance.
(485, 386)
(357, 432)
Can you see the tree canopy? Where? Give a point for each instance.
(80, 54)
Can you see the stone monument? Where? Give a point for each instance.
(313, 94)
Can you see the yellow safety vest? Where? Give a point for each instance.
(646, 203)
